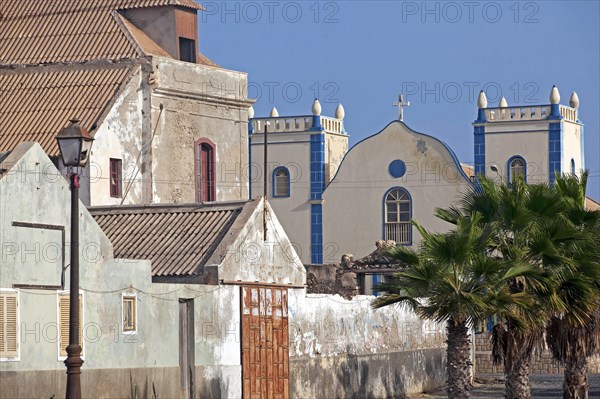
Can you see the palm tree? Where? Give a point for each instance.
(529, 229)
(451, 279)
(574, 335)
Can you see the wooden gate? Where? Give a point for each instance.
(265, 355)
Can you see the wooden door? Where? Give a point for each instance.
(187, 362)
(265, 354)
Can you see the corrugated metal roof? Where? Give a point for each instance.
(36, 102)
(50, 31)
(178, 239)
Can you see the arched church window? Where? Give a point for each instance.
(398, 214)
(572, 166)
(281, 182)
(517, 169)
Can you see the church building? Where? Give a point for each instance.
(533, 142)
(334, 201)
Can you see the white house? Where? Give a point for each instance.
(189, 300)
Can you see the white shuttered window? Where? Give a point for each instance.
(63, 323)
(9, 334)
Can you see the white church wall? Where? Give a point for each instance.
(293, 212)
(532, 146)
(336, 146)
(353, 214)
(572, 148)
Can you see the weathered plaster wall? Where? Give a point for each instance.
(250, 258)
(381, 375)
(199, 102)
(353, 217)
(33, 256)
(120, 137)
(344, 348)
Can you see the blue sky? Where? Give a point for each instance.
(364, 53)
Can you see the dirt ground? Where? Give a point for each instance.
(542, 386)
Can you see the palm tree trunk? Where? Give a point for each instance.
(575, 385)
(517, 378)
(458, 361)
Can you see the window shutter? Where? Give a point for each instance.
(9, 343)
(2, 327)
(63, 311)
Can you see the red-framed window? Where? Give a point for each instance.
(204, 165)
(116, 178)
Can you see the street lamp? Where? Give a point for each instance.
(74, 143)
(495, 168)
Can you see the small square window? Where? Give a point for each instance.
(187, 50)
(129, 314)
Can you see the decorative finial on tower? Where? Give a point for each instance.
(274, 113)
(554, 95)
(401, 104)
(574, 101)
(482, 105)
(340, 112)
(503, 103)
(316, 108)
(251, 112)
(482, 100)
(554, 104)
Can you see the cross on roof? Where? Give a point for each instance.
(401, 104)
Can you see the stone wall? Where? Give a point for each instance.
(331, 279)
(544, 364)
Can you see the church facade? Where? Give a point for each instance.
(334, 201)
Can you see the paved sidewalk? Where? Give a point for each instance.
(542, 386)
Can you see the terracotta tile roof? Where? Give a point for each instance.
(591, 204)
(36, 102)
(50, 31)
(178, 239)
(204, 60)
(468, 169)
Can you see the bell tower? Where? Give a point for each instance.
(532, 141)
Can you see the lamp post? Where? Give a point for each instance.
(74, 143)
(495, 169)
